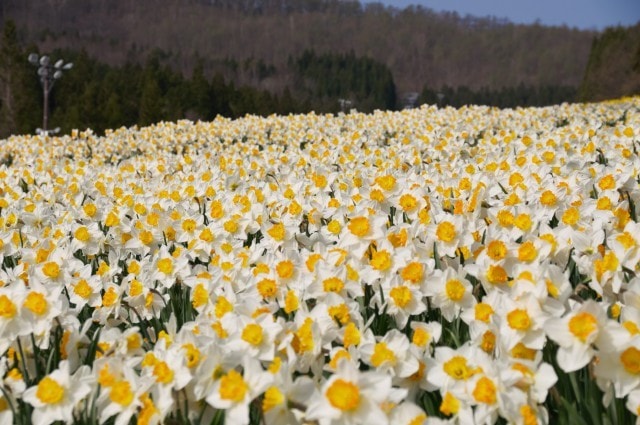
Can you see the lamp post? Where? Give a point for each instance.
(48, 74)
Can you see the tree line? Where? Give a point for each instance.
(100, 96)
(417, 44)
(505, 97)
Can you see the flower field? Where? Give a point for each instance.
(470, 265)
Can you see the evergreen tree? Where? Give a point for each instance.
(200, 93)
(150, 102)
(19, 91)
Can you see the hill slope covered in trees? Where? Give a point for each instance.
(613, 69)
(240, 38)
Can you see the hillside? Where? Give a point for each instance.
(613, 69)
(419, 46)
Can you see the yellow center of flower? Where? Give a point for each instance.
(110, 297)
(604, 204)
(340, 354)
(521, 351)
(631, 327)
(334, 227)
(401, 296)
(408, 202)
(387, 182)
(505, 218)
(82, 289)
(7, 307)
(223, 306)
(359, 226)
(90, 209)
(340, 312)
(102, 269)
(381, 260)
(112, 219)
(285, 269)
(420, 337)
(272, 398)
(527, 252)
(548, 198)
(267, 288)
(497, 275)
(134, 341)
(450, 405)
(189, 225)
(165, 265)
(519, 319)
(36, 303)
(162, 372)
(496, 250)
(582, 325)
(233, 387)
(333, 284)
(51, 269)
(488, 342)
(82, 234)
(303, 337)
(200, 296)
(49, 391)
(206, 235)
(607, 182)
(523, 222)
(121, 393)
(483, 312)
(446, 231)
(457, 368)
(398, 239)
(192, 354)
(485, 391)
(252, 333)
(419, 419)
(146, 237)
(291, 302)
(529, 416)
(351, 335)
(343, 395)
(454, 289)
(382, 354)
(312, 260)
(630, 359)
(147, 411)
(277, 232)
(413, 272)
(230, 226)
(571, 216)
(626, 240)
(135, 288)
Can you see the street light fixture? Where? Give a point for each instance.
(48, 74)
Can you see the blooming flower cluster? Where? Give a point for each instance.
(418, 267)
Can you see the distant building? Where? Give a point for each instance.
(409, 100)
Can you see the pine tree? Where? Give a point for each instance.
(19, 107)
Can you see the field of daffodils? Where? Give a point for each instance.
(430, 266)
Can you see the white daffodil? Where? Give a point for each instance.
(57, 394)
(351, 397)
(233, 391)
(580, 333)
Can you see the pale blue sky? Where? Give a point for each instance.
(586, 14)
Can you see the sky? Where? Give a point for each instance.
(584, 14)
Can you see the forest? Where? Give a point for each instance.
(418, 45)
(124, 76)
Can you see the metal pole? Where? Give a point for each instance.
(48, 74)
(45, 114)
